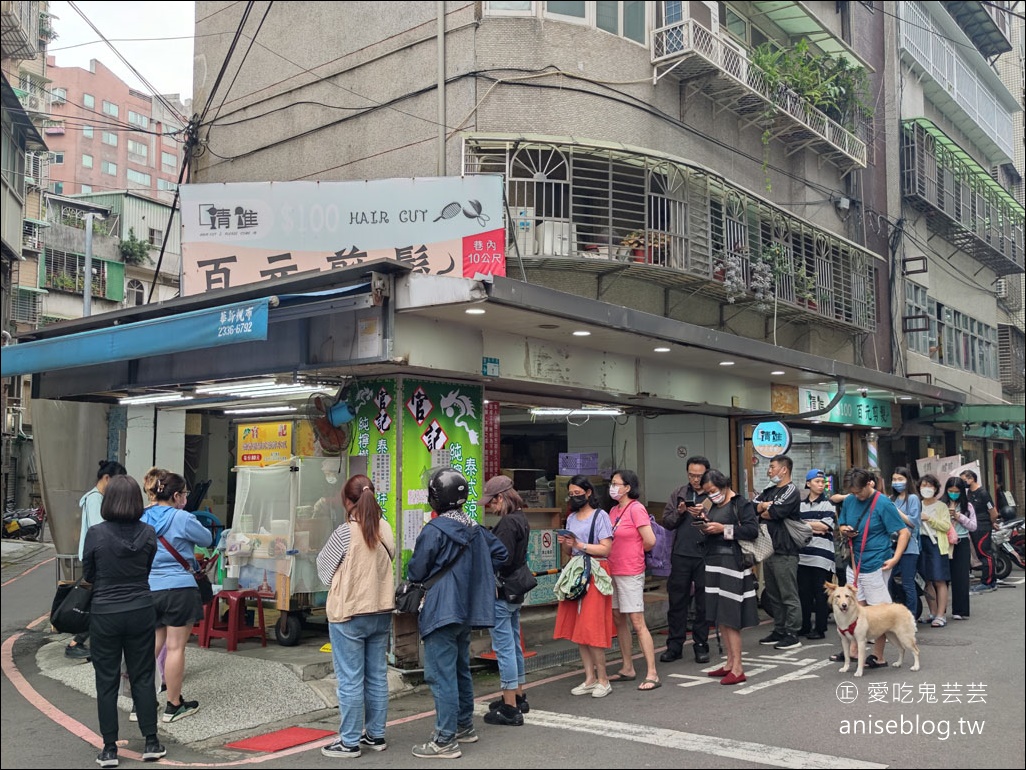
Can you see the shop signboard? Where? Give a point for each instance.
(770, 439)
(376, 404)
(850, 410)
(263, 443)
(442, 425)
(250, 232)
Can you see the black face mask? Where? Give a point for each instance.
(577, 502)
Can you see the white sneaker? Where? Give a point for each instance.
(601, 690)
(584, 689)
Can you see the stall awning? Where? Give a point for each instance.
(1004, 415)
(212, 327)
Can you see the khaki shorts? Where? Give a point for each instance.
(872, 586)
(629, 593)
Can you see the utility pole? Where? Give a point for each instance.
(87, 293)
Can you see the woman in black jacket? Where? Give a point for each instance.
(116, 559)
(729, 585)
(513, 531)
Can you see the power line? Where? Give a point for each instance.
(252, 40)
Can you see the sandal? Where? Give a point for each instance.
(872, 662)
(622, 677)
(938, 622)
(837, 657)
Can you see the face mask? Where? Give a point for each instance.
(774, 479)
(954, 495)
(928, 491)
(717, 497)
(616, 492)
(577, 502)
(898, 486)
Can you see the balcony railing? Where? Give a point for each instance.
(960, 199)
(691, 51)
(585, 207)
(19, 28)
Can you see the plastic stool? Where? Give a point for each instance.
(236, 628)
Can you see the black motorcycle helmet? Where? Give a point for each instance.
(447, 490)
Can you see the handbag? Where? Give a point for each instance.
(409, 594)
(514, 587)
(952, 535)
(799, 530)
(758, 550)
(206, 589)
(70, 610)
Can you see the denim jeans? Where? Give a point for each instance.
(506, 644)
(447, 670)
(358, 649)
(906, 567)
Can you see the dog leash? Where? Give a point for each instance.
(862, 548)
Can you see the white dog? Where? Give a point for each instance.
(854, 621)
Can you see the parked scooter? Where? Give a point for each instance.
(1007, 547)
(23, 523)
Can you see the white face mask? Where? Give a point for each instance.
(717, 497)
(615, 492)
(775, 479)
(928, 491)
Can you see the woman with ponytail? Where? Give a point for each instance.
(356, 563)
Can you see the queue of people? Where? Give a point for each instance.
(144, 601)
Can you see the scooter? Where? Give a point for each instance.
(1007, 547)
(23, 523)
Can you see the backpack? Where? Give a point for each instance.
(657, 561)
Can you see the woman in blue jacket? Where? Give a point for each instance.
(176, 598)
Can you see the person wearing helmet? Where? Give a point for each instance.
(466, 557)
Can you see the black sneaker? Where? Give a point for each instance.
(466, 734)
(78, 652)
(109, 756)
(788, 642)
(701, 655)
(374, 744)
(505, 715)
(153, 750)
(669, 655)
(772, 639)
(522, 704)
(173, 712)
(339, 749)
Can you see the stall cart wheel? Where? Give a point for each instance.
(288, 629)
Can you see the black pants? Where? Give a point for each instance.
(960, 568)
(131, 635)
(813, 597)
(982, 541)
(686, 571)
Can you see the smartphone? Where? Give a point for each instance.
(707, 504)
(564, 533)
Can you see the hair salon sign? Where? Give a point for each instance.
(247, 232)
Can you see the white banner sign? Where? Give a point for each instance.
(248, 232)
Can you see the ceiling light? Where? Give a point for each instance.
(154, 398)
(224, 387)
(849, 425)
(261, 410)
(778, 372)
(475, 311)
(539, 411)
(906, 398)
(582, 334)
(726, 363)
(661, 350)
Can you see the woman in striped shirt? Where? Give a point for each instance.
(816, 560)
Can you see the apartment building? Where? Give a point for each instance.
(105, 135)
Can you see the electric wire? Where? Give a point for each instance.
(238, 70)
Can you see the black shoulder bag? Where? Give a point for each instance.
(409, 594)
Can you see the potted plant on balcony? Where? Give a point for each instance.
(805, 287)
(635, 241)
(730, 270)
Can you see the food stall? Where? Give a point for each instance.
(284, 513)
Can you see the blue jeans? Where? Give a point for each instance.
(358, 649)
(506, 645)
(447, 670)
(906, 567)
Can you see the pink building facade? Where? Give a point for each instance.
(106, 136)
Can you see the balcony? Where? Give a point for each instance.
(720, 69)
(961, 201)
(1012, 358)
(956, 79)
(19, 28)
(989, 27)
(589, 207)
(32, 235)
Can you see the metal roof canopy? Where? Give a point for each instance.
(978, 414)
(798, 21)
(980, 26)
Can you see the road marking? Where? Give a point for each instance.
(745, 751)
(30, 569)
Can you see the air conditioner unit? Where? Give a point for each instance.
(1001, 288)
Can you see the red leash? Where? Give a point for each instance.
(865, 535)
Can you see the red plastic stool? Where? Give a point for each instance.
(236, 628)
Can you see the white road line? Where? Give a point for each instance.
(746, 751)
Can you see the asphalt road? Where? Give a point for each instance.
(964, 708)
